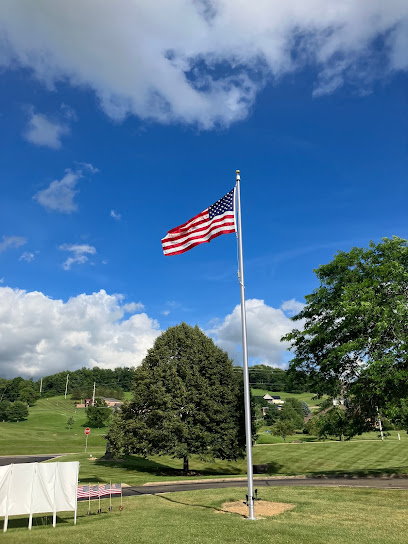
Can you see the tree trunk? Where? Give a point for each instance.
(185, 466)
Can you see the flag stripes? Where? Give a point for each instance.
(86, 491)
(217, 219)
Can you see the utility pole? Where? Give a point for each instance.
(379, 422)
(40, 386)
(93, 395)
(66, 386)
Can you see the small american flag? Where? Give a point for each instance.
(116, 488)
(109, 489)
(212, 222)
(83, 491)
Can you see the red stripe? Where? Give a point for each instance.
(226, 220)
(180, 227)
(198, 243)
(179, 233)
(229, 226)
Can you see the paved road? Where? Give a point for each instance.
(25, 459)
(382, 483)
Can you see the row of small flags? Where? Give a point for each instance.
(86, 491)
(97, 490)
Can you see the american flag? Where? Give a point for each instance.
(83, 491)
(87, 491)
(109, 489)
(212, 222)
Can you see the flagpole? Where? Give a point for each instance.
(247, 398)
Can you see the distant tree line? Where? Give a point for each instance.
(18, 389)
(81, 382)
(13, 411)
(81, 393)
(276, 379)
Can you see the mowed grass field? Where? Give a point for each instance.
(45, 430)
(313, 459)
(319, 516)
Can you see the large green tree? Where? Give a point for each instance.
(98, 414)
(186, 400)
(354, 338)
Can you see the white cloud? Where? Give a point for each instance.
(292, 306)
(59, 195)
(201, 61)
(41, 336)
(132, 307)
(27, 256)
(265, 328)
(79, 252)
(43, 130)
(12, 242)
(115, 215)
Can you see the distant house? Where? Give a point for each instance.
(112, 403)
(273, 399)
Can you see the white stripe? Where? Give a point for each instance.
(201, 225)
(230, 228)
(169, 239)
(191, 222)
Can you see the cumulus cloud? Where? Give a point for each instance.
(59, 195)
(10, 242)
(201, 61)
(41, 336)
(43, 130)
(79, 254)
(265, 327)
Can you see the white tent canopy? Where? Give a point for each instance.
(34, 488)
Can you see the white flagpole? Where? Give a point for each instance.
(248, 426)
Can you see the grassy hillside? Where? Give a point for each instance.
(307, 397)
(320, 515)
(45, 430)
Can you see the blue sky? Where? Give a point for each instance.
(106, 144)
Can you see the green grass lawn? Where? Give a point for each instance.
(45, 430)
(362, 458)
(307, 397)
(320, 516)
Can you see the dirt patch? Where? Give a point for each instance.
(262, 508)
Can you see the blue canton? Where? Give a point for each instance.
(225, 204)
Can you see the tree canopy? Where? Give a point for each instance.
(186, 400)
(98, 414)
(354, 339)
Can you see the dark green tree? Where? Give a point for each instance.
(70, 422)
(338, 421)
(4, 410)
(17, 411)
(29, 393)
(289, 413)
(283, 428)
(271, 414)
(186, 400)
(98, 414)
(354, 342)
